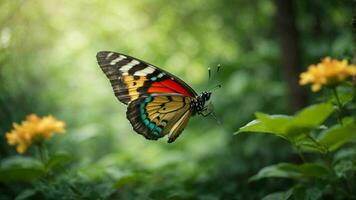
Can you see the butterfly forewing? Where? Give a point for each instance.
(126, 74)
(131, 77)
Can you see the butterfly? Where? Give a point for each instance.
(159, 103)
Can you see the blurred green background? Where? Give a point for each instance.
(48, 66)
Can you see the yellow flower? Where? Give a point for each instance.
(33, 130)
(328, 72)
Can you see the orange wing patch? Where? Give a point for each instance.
(133, 85)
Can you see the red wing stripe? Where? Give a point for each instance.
(158, 89)
(170, 85)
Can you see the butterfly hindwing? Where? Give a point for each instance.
(131, 77)
(179, 126)
(157, 115)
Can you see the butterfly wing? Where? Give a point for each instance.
(159, 103)
(157, 115)
(132, 78)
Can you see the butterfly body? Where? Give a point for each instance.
(199, 102)
(159, 103)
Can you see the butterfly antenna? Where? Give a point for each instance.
(218, 68)
(212, 76)
(215, 75)
(209, 78)
(217, 72)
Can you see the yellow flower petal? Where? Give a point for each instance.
(33, 129)
(327, 72)
(316, 87)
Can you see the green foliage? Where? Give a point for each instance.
(296, 128)
(21, 169)
(287, 170)
(310, 130)
(337, 135)
(48, 66)
(57, 160)
(290, 127)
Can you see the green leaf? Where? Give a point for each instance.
(279, 195)
(338, 135)
(253, 126)
(313, 116)
(18, 168)
(277, 124)
(293, 128)
(290, 127)
(287, 170)
(58, 159)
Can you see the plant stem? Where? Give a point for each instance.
(300, 153)
(42, 153)
(354, 90)
(322, 147)
(339, 112)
